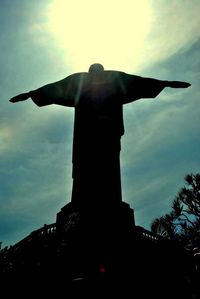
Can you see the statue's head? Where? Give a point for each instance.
(96, 68)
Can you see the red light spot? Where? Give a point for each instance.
(102, 269)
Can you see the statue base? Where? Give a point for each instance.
(94, 219)
(89, 238)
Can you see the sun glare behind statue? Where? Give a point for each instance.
(109, 32)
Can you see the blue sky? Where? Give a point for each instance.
(45, 41)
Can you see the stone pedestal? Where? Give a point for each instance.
(95, 219)
(91, 238)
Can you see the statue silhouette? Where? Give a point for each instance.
(98, 97)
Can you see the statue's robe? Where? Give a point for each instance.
(98, 101)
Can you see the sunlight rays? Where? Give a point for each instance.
(109, 32)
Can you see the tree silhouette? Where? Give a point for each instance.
(183, 222)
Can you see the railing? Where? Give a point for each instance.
(48, 231)
(38, 242)
(146, 234)
(44, 233)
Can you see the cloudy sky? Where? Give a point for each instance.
(45, 41)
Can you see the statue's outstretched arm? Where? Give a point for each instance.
(137, 87)
(62, 92)
(20, 97)
(177, 84)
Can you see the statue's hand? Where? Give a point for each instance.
(20, 97)
(178, 84)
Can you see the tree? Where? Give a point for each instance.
(183, 222)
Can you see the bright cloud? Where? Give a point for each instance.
(122, 35)
(175, 28)
(106, 31)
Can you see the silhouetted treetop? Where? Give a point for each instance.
(183, 222)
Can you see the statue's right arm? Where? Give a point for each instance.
(63, 92)
(52, 93)
(20, 97)
(42, 96)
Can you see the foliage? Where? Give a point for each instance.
(183, 222)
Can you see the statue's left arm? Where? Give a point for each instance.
(177, 84)
(150, 87)
(140, 87)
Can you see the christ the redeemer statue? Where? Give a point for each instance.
(98, 97)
